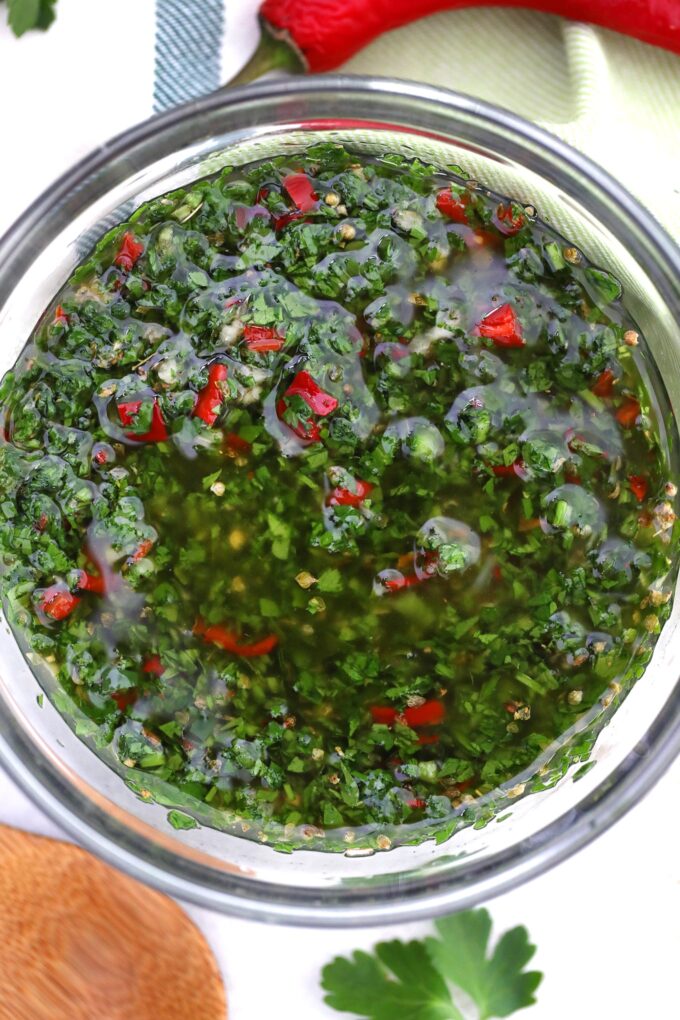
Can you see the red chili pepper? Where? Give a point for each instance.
(156, 434)
(416, 803)
(300, 189)
(58, 602)
(318, 401)
(604, 384)
(100, 457)
(128, 252)
(227, 640)
(211, 397)
(430, 713)
(142, 550)
(282, 221)
(638, 486)
(406, 581)
(508, 219)
(42, 522)
(327, 34)
(90, 582)
(451, 205)
(628, 413)
(262, 339)
(502, 326)
(345, 497)
(235, 443)
(428, 738)
(509, 470)
(124, 698)
(60, 317)
(154, 666)
(383, 715)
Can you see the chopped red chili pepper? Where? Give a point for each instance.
(628, 413)
(124, 698)
(60, 317)
(430, 713)
(428, 738)
(604, 384)
(341, 496)
(128, 252)
(638, 486)
(383, 715)
(58, 602)
(235, 443)
(227, 640)
(416, 803)
(502, 326)
(211, 397)
(509, 219)
(100, 457)
(158, 432)
(42, 522)
(282, 221)
(90, 582)
(318, 401)
(262, 339)
(509, 470)
(154, 666)
(451, 205)
(142, 550)
(299, 188)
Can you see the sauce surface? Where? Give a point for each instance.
(333, 495)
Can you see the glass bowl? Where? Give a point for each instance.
(234, 874)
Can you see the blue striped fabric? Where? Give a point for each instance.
(188, 47)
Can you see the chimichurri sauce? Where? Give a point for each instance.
(333, 494)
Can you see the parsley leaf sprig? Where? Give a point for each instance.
(412, 979)
(23, 15)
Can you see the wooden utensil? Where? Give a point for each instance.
(80, 941)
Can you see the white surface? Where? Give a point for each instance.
(607, 923)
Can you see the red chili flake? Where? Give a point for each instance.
(90, 582)
(58, 602)
(236, 444)
(502, 326)
(227, 640)
(142, 550)
(345, 497)
(451, 205)
(129, 252)
(407, 581)
(383, 715)
(299, 188)
(154, 666)
(638, 486)
(262, 339)
(628, 413)
(430, 713)
(428, 738)
(604, 384)
(211, 397)
(508, 219)
(318, 401)
(127, 412)
(416, 803)
(100, 457)
(60, 317)
(124, 698)
(509, 470)
(282, 221)
(42, 522)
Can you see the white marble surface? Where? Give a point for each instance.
(607, 922)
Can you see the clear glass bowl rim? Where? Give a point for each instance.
(515, 138)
